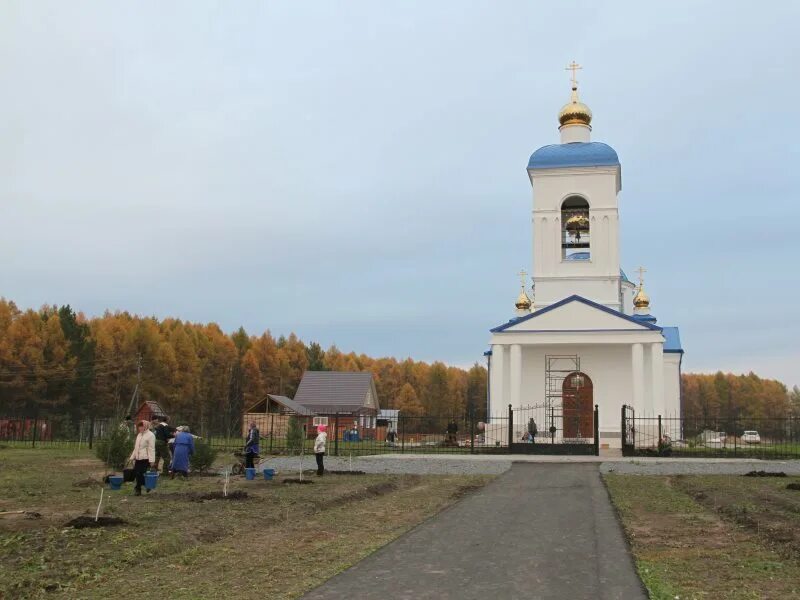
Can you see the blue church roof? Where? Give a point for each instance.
(574, 154)
(672, 339)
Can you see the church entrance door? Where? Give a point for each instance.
(578, 406)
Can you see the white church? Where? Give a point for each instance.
(584, 334)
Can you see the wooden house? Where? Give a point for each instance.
(347, 398)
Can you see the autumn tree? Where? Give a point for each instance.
(408, 402)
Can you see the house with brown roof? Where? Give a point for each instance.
(346, 402)
(343, 400)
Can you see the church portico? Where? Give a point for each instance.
(581, 307)
(518, 371)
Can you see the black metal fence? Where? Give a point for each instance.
(528, 430)
(734, 437)
(406, 434)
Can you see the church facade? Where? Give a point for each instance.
(583, 335)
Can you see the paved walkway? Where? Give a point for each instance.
(538, 531)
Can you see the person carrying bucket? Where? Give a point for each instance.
(251, 446)
(319, 448)
(144, 453)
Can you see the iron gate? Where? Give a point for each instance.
(550, 429)
(628, 431)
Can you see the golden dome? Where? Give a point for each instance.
(523, 302)
(575, 112)
(641, 300)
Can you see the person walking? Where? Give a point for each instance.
(182, 449)
(251, 446)
(144, 453)
(319, 448)
(163, 433)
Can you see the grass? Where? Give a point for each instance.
(279, 543)
(712, 536)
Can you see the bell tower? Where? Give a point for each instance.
(575, 212)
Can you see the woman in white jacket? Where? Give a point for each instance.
(144, 453)
(319, 448)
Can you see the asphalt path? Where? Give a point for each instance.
(538, 531)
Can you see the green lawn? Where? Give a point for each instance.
(707, 537)
(280, 542)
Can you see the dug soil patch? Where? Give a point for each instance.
(765, 474)
(84, 522)
(302, 481)
(202, 497)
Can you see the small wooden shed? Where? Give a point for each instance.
(271, 415)
(149, 411)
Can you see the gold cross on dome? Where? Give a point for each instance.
(641, 271)
(522, 275)
(574, 67)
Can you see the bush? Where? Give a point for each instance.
(203, 457)
(115, 449)
(294, 435)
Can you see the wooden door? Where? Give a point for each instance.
(577, 406)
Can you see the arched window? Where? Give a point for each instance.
(575, 229)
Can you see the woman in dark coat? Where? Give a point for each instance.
(251, 446)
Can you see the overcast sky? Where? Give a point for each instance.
(355, 171)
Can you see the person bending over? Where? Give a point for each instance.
(251, 446)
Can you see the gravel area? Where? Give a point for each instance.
(494, 465)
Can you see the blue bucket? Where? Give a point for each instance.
(249, 474)
(115, 481)
(269, 473)
(150, 480)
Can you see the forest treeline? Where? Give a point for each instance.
(54, 361)
(723, 396)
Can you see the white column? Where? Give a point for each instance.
(497, 393)
(657, 377)
(637, 372)
(515, 370)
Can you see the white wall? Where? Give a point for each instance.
(555, 278)
(672, 384)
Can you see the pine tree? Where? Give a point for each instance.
(294, 435)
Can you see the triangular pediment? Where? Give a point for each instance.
(575, 314)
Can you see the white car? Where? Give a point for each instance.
(751, 437)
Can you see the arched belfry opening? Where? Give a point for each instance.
(575, 229)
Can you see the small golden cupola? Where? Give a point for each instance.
(641, 301)
(575, 112)
(523, 303)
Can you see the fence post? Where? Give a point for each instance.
(35, 427)
(402, 433)
(91, 431)
(623, 429)
(596, 430)
(510, 426)
(271, 431)
(735, 441)
(472, 431)
(336, 434)
(660, 435)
